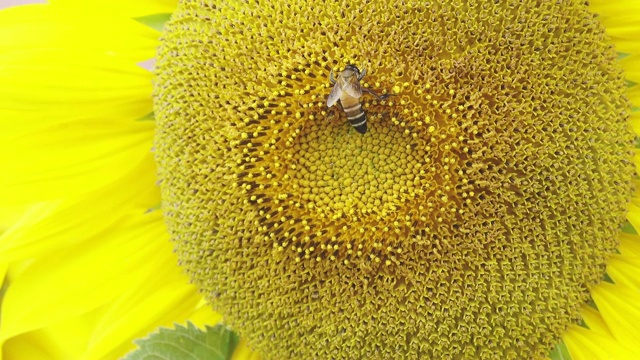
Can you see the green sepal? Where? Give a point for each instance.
(153, 208)
(622, 55)
(560, 352)
(149, 117)
(628, 228)
(155, 21)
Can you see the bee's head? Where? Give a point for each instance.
(352, 68)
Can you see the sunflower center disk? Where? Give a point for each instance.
(366, 195)
(468, 222)
(362, 176)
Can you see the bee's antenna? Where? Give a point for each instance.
(362, 73)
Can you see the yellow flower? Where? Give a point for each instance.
(87, 258)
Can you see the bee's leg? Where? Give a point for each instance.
(380, 97)
(331, 78)
(362, 74)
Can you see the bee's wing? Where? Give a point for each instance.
(352, 87)
(334, 95)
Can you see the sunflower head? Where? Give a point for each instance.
(470, 219)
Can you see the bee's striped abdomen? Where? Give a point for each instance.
(355, 114)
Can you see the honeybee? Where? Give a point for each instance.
(348, 90)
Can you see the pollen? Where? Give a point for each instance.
(468, 222)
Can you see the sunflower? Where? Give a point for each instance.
(480, 214)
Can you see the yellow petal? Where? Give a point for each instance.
(14, 246)
(161, 297)
(85, 85)
(171, 304)
(3, 272)
(617, 8)
(623, 28)
(65, 340)
(635, 199)
(125, 7)
(630, 245)
(634, 95)
(50, 226)
(626, 46)
(594, 321)
(166, 297)
(584, 344)
(83, 277)
(48, 85)
(203, 315)
(634, 214)
(631, 64)
(9, 215)
(620, 309)
(625, 271)
(65, 161)
(42, 26)
(30, 346)
(634, 120)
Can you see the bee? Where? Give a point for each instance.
(348, 90)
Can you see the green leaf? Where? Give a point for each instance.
(217, 343)
(560, 352)
(155, 21)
